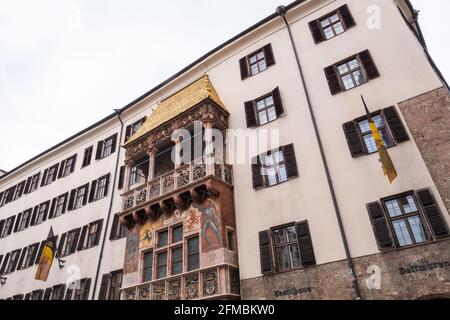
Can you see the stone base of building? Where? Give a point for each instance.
(421, 272)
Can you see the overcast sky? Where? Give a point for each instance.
(66, 64)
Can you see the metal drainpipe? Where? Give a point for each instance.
(113, 189)
(281, 10)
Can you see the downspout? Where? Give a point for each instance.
(281, 10)
(113, 189)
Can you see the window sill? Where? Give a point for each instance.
(256, 74)
(276, 185)
(415, 245)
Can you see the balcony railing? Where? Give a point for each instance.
(173, 180)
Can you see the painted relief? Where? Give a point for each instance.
(211, 227)
(192, 219)
(174, 290)
(131, 262)
(159, 291)
(191, 285)
(144, 293)
(210, 283)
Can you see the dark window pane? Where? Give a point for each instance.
(177, 260)
(177, 234)
(163, 238)
(162, 265)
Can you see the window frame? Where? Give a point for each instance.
(189, 254)
(34, 184)
(350, 72)
(287, 244)
(79, 197)
(257, 63)
(276, 165)
(107, 147)
(144, 267)
(331, 24)
(112, 286)
(87, 156)
(385, 127)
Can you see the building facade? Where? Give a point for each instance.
(310, 217)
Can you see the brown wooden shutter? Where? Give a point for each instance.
(291, 162)
(121, 177)
(395, 124)
(346, 16)
(369, 65)
(268, 54)
(47, 294)
(22, 257)
(115, 224)
(1, 259)
(61, 168)
(353, 139)
(35, 248)
(87, 289)
(5, 262)
(105, 191)
(98, 232)
(265, 252)
(333, 80)
(279, 110)
(73, 192)
(103, 287)
(257, 177)
(41, 248)
(2, 225)
(61, 244)
(18, 221)
(99, 151)
(114, 143)
(380, 226)
(316, 31)
(51, 214)
(66, 195)
(305, 243)
(74, 161)
(33, 216)
(86, 193)
(244, 68)
(127, 133)
(69, 293)
(44, 177)
(433, 213)
(250, 114)
(47, 207)
(11, 225)
(73, 248)
(27, 186)
(82, 238)
(92, 192)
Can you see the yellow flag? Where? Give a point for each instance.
(46, 260)
(388, 166)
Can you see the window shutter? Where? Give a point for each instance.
(47, 207)
(121, 177)
(99, 151)
(33, 217)
(72, 168)
(347, 16)
(87, 289)
(61, 244)
(354, 141)
(92, 192)
(316, 32)
(369, 65)
(44, 177)
(52, 208)
(41, 248)
(433, 213)
(279, 110)
(265, 252)
(18, 221)
(72, 199)
(75, 241)
(395, 124)
(86, 193)
(35, 248)
(98, 233)
(305, 243)
(380, 226)
(47, 293)
(291, 162)
(65, 203)
(333, 80)
(38, 294)
(250, 114)
(268, 54)
(257, 177)
(27, 296)
(105, 193)
(61, 168)
(114, 143)
(27, 186)
(69, 293)
(1, 259)
(2, 225)
(15, 262)
(115, 223)
(82, 238)
(244, 68)
(11, 225)
(103, 287)
(5, 262)
(22, 257)
(127, 133)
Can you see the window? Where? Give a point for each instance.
(19, 190)
(407, 219)
(285, 248)
(147, 267)
(287, 251)
(257, 62)
(87, 156)
(50, 175)
(163, 238)
(82, 289)
(351, 72)
(116, 283)
(193, 262)
(133, 128)
(106, 147)
(68, 243)
(80, 197)
(28, 256)
(99, 188)
(12, 263)
(8, 227)
(25, 221)
(177, 234)
(264, 110)
(41, 213)
(230, 239)
(8, 196)
(118, 231)
(34, 182)
(37, 294)
(90, 236)
(67, 166)
(359, 135)
(177, 260)
(60, 206)
(58, 292)
(331, 25)
(161, 265)
(274, 167)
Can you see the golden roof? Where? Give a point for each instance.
(178, 103)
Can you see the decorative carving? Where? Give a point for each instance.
(141, 195)
(210, 283)
(144, 293)
(234, 281)
(192, 286)
(183, 176)
(130, 294)
(155, 189)
(228, 174)
(174, 292)
(199, 171)
(159, 291)
(168, 183)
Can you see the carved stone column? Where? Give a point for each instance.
(151, 162)
(128, 165)
(177, 152)
(209, 148)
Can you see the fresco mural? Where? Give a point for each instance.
(210, 232)
(131, 262)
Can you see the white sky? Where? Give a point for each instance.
(66, 64)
